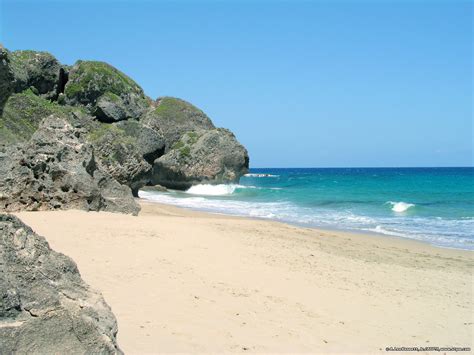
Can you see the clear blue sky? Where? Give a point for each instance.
(301, 83)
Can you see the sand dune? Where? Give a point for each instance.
(184, 281)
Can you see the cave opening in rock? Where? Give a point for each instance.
(151, 157)
(63, 78)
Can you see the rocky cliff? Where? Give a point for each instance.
(45, 307)
(86, 136)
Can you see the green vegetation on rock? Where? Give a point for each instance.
(91, 78)
(115, 132)
(22, 115)
(110, 132)
(184, 145)
(177, 110)
(37, 69)
(109, 94)
(192, 137)
(174, 117)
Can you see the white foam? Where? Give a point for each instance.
(261, 175)
(438, 231)
(212, 190)
(400, 206)
(382, 230)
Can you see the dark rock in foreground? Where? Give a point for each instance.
(45, 306)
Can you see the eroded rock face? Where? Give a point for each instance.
(109, 94)
(122, 149)
(106, 138)
(21, 70)
(57, 169)
(212, 157)
(45, 307)
(39, 70)
(6, 77)
(173, 117)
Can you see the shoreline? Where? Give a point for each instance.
(188, 281)
(361, 233)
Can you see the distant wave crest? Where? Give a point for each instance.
(400, 206)
(261, 175)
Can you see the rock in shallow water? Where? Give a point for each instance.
(45, 306)
(212, 157)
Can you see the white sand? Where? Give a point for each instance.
(183, 281)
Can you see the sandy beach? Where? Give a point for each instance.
(185, 281)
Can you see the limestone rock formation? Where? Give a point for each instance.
(45, 306)
(122, 150)
(87, 137)
(20, 70)
(57, 169)
(109, 94)
(174, 117)
(212, 157)
(39, 70)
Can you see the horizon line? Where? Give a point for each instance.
(367, 167)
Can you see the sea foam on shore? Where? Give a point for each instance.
(349, 199)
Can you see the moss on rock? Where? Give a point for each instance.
(174, 117)
(107, 92)
(108, 131)
(22, 114)
(184, 145)
(210, 156)
(37, 69)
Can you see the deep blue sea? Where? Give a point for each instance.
(434, 205)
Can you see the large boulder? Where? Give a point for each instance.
(122, 150)
(57, 169)
(45, 306)
(174, 117)
(39, 70)
(149, 142)
(212, 157)
(109, 94)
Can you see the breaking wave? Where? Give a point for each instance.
(400, 206)
(213, 190)
(437, 231)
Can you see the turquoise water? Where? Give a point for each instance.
(435, 205)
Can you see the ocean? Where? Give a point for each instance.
(433, 205)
